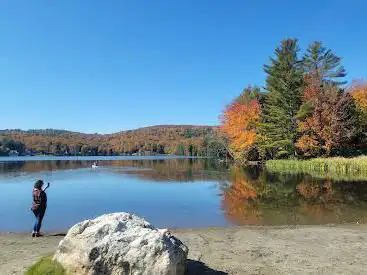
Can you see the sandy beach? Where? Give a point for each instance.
(246, 250)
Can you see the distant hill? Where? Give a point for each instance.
(43, 132)
(159, 139)
(57, 132)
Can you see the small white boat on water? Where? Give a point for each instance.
(94, 165)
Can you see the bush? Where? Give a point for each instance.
(46, 266)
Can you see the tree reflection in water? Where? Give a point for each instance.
(240, 199)
(277, 199)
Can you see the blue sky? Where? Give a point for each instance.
(104, 66)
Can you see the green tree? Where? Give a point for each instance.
(284, 85)
(324, 64)
(7, 145)
(180, 151)
(214, 146)
(248, 94)
(192, 150)
(56, 150)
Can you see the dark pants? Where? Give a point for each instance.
(39, 214)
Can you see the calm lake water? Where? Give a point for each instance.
(173, 192)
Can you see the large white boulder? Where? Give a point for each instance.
(120, 243)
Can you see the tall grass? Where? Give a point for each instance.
(335, 168)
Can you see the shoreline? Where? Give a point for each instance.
(229, 226)
(325, 249)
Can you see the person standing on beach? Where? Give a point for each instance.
(39, 206)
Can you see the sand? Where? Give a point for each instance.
(245, 250)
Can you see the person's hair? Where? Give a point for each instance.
(38, 184)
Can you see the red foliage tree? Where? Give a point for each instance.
(326, 119)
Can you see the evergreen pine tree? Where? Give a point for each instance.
(323, 64)
(282, 102)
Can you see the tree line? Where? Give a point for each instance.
(306, 109)
(8, 145)
(170, 139)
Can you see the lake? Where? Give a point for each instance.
(173, 192)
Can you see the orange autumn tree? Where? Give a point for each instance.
(359, 94)
(240, 121)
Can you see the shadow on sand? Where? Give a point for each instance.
(58, 235)
(199, 268)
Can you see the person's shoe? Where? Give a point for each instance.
(33, 234)
(39, 234)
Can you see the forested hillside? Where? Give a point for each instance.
(163, 139)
